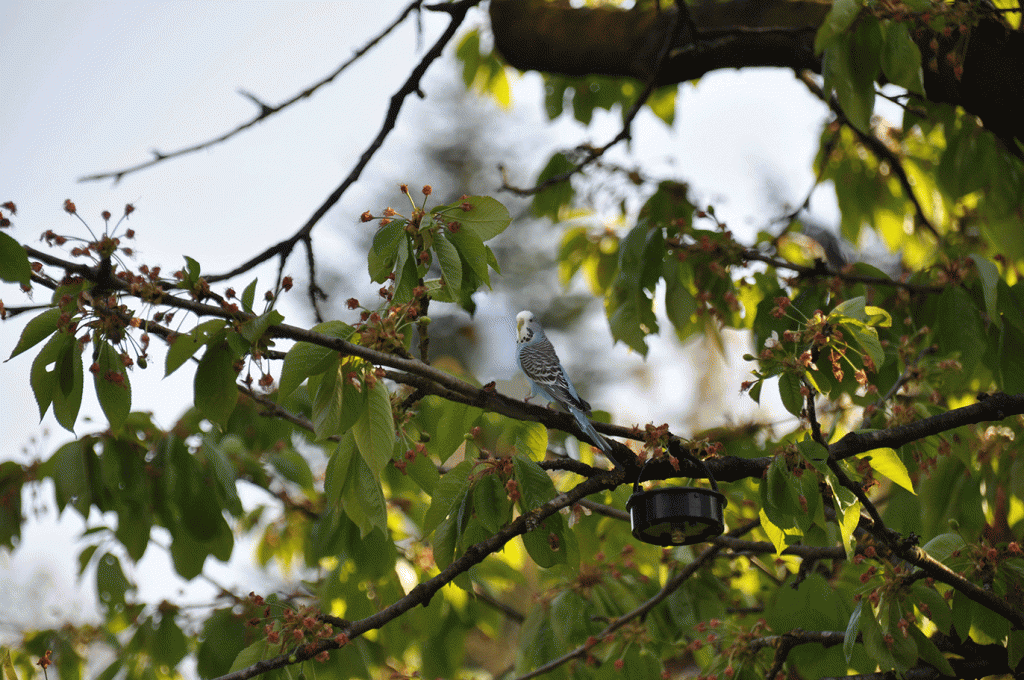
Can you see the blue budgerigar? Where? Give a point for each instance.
(547, 378)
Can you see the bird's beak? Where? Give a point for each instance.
(519, 326)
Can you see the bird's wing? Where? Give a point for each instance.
(540, 364)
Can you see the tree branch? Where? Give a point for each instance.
(411, 86)
(423, 592)
(670, 587)
(265, 110)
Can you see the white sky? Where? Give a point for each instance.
(93, 86)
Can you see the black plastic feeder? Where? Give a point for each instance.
(677, 515)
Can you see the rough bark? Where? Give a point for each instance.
(552, 37)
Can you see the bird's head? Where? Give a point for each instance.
(526, 325)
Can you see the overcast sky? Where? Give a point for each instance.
(92, 86)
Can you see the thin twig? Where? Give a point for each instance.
(265, 110)
(457, 11)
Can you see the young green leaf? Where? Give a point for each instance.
(486, 217)
(14, 265)
(183, 347)
(535, 486)
(37, 330)
(473, 253)
(249, 296)
(253, 329)
(375, 430)
(789, 390)
(305, 359)
(113, 388)
(887, 462)
(293, 467)
(901, 58)
(62, 385)
(214, 385)
(448, 258)
(448, 493)
(387, 244)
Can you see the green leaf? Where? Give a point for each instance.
(254, 329)
(448, 494)
(113, 389)
(473, 252)
(888, 462)
(111, 584)
(867, 338)
(224, 470)
(929, 653)
(933, 605)
(874, 642)
(850, 65)
(293, 467)
(1014, 648)
(680, 303)
(546, 544)
(350, 483)
(989, 276)
(328, 401)
(901, 58)
(486, 217)
(375, 430)
(853, 308)
(183, 347)
(491, 503)
(448, 259)
(943, 546)
(252, 654)
(789, 390)
(447, 423)
(1011, 359)
(839, 18)
(406, 274)
(70, 477)
(37, 330)
(62, 386)
(530, 439)
(852, 629)
(630, 308)
(550, 201)
(847, 525)
(782, 492)
(192, 269)
(14, 264)
(222, 638)
(775, 533)
(248, 296)
(305, 358)
(958, 327)
(468, 53)
(168, 646)
(386, 245)
(215, 390)
(535, 486)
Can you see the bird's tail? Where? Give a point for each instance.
(585, 425)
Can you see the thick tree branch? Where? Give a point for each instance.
(557, 38)
(591, 153)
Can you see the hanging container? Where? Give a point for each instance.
(676, 515)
